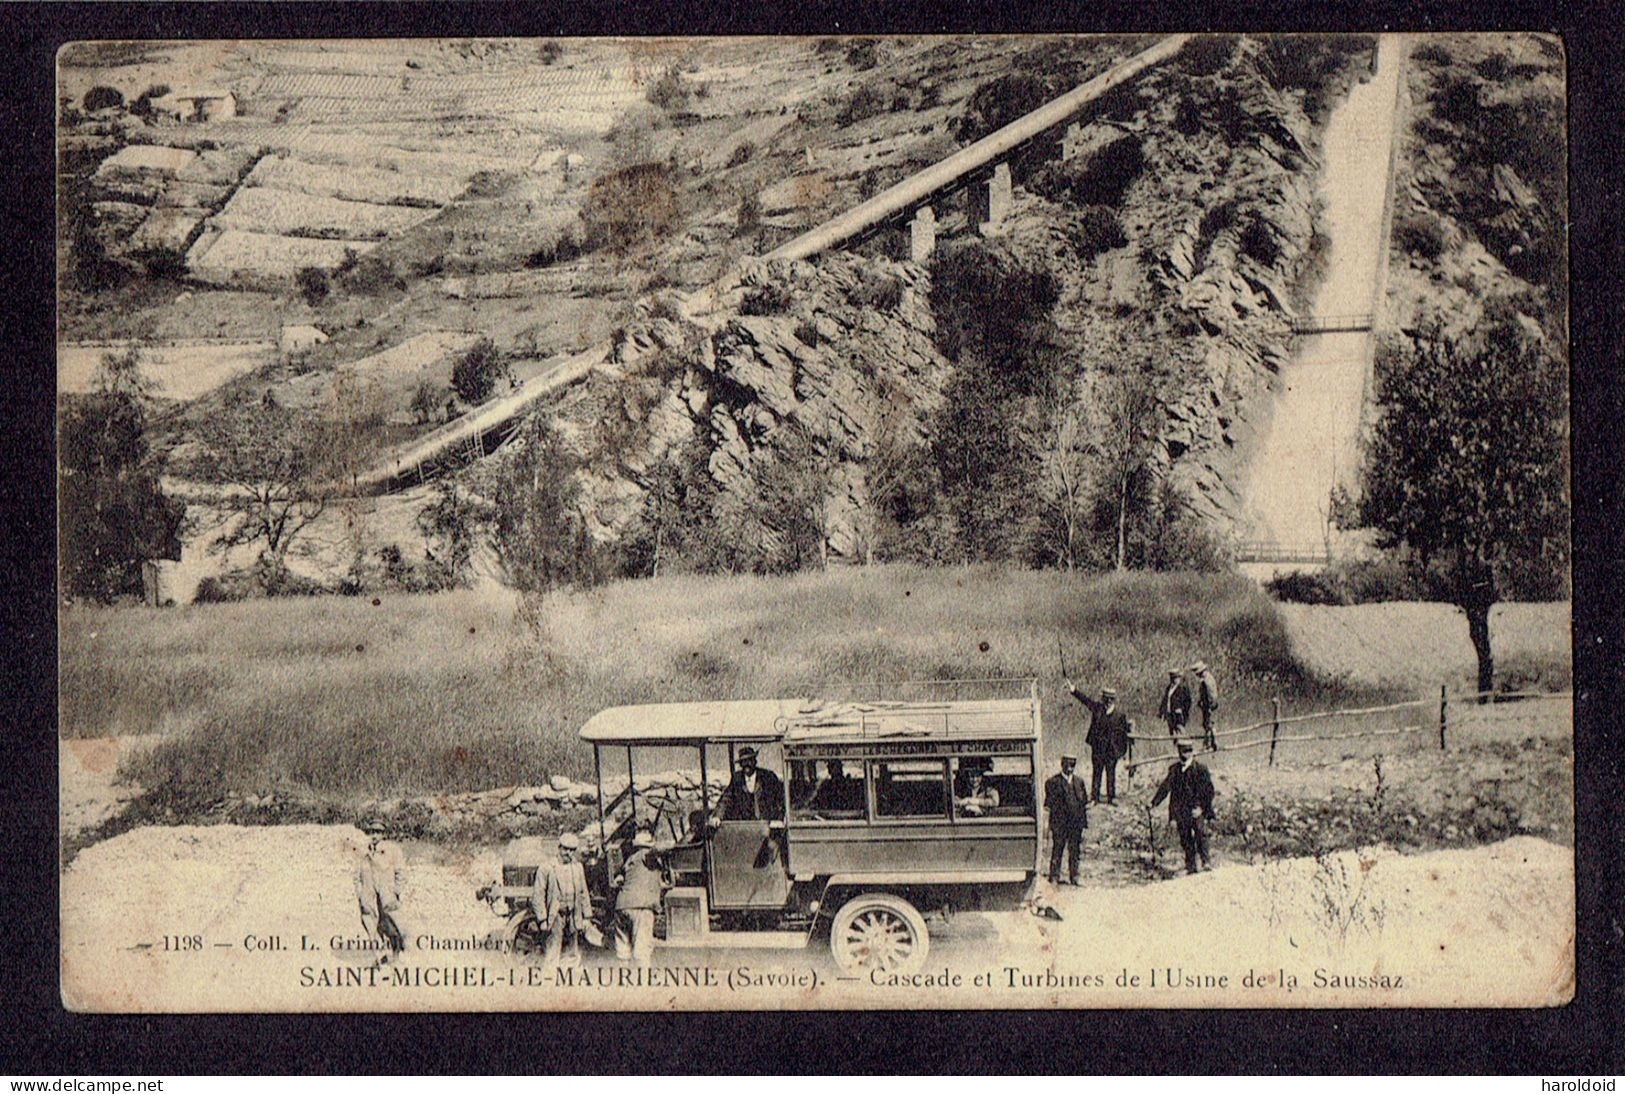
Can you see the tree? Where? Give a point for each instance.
(792, 488)
(1468, 468)
(313, 284)
(270, 462)
(541, 533)
(113, 515)
(102, 97)
(474, 377)
(451, 526)
(425, 401)
(1129, 416)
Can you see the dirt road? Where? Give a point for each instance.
(228, 918)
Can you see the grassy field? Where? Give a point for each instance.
(346, 698)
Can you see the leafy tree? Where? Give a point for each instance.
(540, 529)
(1468, 468)
(313, 284)
(451, 525)
(113, 515)
(474, 377)
(425, 401)
(792, 489)
(271, 463)
(102, 97)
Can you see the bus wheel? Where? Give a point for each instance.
(878, 932)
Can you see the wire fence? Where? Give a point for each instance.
(1431, 722)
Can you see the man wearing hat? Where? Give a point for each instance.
(642, 881)
(1107, 739)
(1068, 803)
(1189, 789)
(1207, 701)
(1175, 707)
(563, 906)
(753, 793)
(378, 891)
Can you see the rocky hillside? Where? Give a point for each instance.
(1176, 236)
(1172, 235)
(1480, 201)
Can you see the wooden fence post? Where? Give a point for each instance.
(1275, 726)
(1444, 712)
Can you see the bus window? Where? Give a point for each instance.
(993, 786)
(826, 790)
(911, 788)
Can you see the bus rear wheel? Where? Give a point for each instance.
(878, 932)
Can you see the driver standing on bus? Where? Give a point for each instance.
(753, 794)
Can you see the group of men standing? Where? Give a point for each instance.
(1178, 700)
(1187, 786)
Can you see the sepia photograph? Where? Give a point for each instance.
(814, 523)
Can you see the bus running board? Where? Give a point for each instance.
(752, 940)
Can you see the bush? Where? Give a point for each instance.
(313, 284)
(881, 292)
(164, 263)
(1431, 54)
(373, 274)
(565, 247)
(1258, 240)
(1096, 231)
(1420, 234)
(866, 102)
(1299, 587)
(669, 92)
(999, 102)
(102, 97)
(807, 334)
(750, 211)
(630, 207)
(474, 377)
(863, 55)
(225, 589)
(741, 154)
(772, 299)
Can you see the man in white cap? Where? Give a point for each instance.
(1175, 706)
(1107, 739)
(563, 905)
(378, 891)
(1207, 701)
(1189, 789)
(642, 881)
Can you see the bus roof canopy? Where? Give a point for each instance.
(794, 720)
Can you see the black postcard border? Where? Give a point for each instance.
(42, 1039)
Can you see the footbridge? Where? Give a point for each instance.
(982, 167)
(1331, 324)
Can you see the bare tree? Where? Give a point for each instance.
(1128, 412)
(267, 458)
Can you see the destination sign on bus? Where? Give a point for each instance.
(883, 749)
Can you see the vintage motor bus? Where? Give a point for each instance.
(884, 812)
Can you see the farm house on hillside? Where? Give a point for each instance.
(298, 337)
(197, 105)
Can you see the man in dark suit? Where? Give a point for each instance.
(753, 793)
(1175, 708)
(1107, 739)
(1189, 790)
(1068, 805)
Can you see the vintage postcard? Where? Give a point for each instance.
(808, 523)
